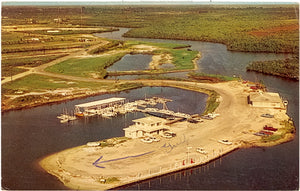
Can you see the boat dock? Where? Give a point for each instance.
(110, 107)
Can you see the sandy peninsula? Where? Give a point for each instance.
(107, 167)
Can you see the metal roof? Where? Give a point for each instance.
(100, 102)
(265, 97)
(150, 120)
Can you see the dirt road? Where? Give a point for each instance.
(40, 69)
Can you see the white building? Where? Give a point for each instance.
(265, 99)
(146, 126)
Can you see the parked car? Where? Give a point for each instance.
(168, 134)
(154, 139)
(201, 150)
(206, 117)
(267, 115)
(147, 140)
(269, 128)
(225, 141)
(266, 132)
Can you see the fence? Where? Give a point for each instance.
(187, 162)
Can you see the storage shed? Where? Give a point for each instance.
(146, 126)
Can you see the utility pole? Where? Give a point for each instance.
(11, 73)
(188, 151)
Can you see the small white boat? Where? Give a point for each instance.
(64, 120)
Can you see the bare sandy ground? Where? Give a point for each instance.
(85, 167)
(159, 59)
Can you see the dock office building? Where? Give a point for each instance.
(147, 126)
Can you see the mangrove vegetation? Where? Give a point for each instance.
(288, 68)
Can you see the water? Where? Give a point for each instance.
(30, 134)
(131, 62)
(215, 58)
(257, 168)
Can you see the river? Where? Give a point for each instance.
(30, 134)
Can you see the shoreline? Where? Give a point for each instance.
(288, 138)
(76, 167)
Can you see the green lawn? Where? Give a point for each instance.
(36, 82)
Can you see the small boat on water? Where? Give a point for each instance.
(65, 117)
(64, 120)
(79, 114)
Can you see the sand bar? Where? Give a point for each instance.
(102, 168)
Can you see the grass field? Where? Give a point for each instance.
(9, 66)
(86, 67)
(41, 90)
(36, 82)
(210, 77)
(28, 46)
(40, 83)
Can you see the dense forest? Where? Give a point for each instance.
(255, 28)
(288, 68)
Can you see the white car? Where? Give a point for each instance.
(168, 135)
(225, 141)
(201, 150)
(147, 140)
(154, 139)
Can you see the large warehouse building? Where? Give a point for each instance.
(265, 99)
